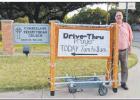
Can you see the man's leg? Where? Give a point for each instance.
(123, 57)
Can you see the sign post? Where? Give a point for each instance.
(115, 58)
(52, 58)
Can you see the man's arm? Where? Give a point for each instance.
(130, 37)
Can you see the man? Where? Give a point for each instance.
(125, 41)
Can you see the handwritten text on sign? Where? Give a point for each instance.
(31, 33)
(83, 42)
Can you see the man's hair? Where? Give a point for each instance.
(118, 10)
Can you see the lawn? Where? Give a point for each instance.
(33, 47)
(21, 72)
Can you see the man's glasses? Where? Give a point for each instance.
(118, 15)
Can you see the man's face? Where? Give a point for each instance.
(119, 17)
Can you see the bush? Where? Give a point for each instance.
(22, 20)
(88, 16)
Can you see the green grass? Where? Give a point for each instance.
(0, 45)
(132, 60)
(33, 47)
(20, 72)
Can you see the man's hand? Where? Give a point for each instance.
(129, 50)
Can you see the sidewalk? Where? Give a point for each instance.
(133, 92)
(136, 44)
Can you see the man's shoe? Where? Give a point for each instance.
(124, 86)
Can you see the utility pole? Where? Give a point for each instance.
(126, 11)
(107, 13)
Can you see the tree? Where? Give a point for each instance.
(134, 15)
(38, 12)
(112, 13)
(89, 16)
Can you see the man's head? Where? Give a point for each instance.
(119, 17)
